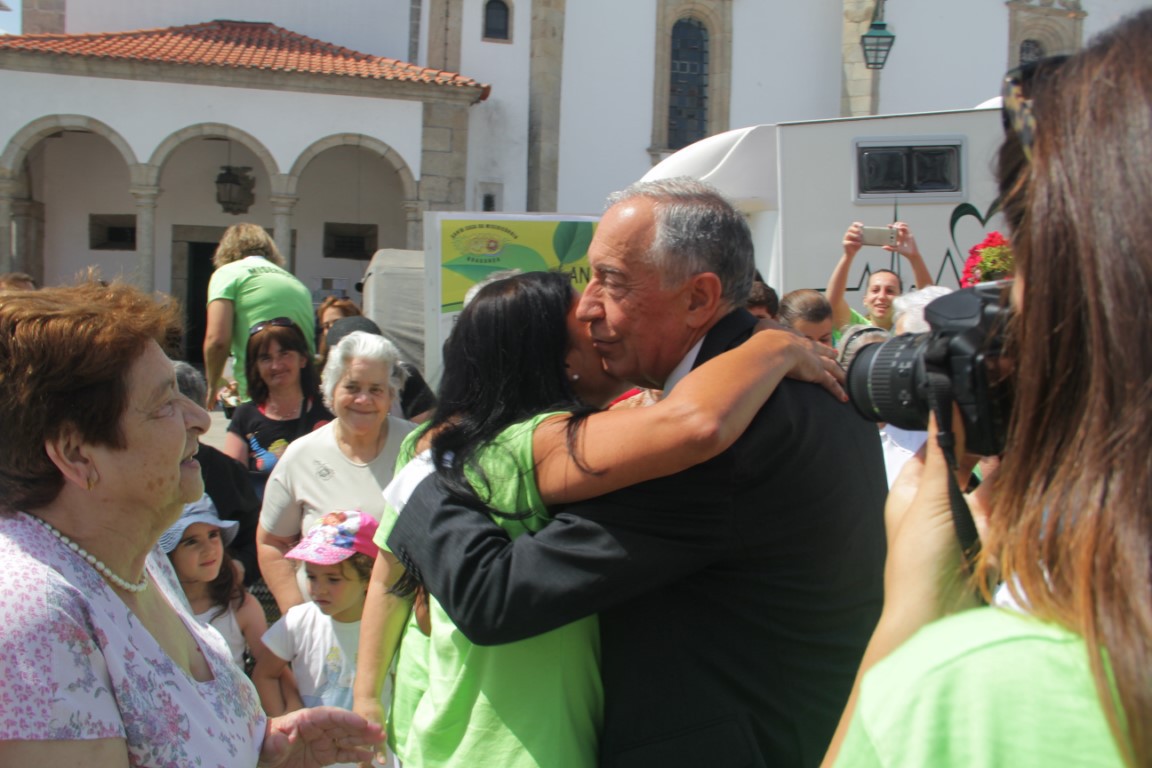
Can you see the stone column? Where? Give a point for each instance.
(28, 237)
(545, 76)
(414, 224)
(282, 206)
(145, 196)
(859, 86)
(7, 193)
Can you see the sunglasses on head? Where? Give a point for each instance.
(277, 322)
(1016, 98)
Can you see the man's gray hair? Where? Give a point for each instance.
(697, 230)
(190, 382)
(361, 345)
(908, 308)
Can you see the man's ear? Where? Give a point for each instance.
(704, 298)
(71, 456)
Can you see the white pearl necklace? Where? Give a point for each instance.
(96, 562)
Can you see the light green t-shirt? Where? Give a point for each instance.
(536, 703)
(854, 318)
(986, 687)
(260, 290)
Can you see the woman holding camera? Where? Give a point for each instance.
(884, 285)
(1065, 677)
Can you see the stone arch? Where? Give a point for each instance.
(27, 137)
(202, 130)
(390, 155)
(1057, 29)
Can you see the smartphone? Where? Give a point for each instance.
(877, 236)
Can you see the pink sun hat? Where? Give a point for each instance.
(336, 537)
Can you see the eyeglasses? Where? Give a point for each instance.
(277, 322)
(1016, 98)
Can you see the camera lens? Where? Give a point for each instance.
(884, 382)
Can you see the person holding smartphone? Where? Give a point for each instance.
(884, 285)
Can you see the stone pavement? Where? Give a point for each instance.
(215, 434)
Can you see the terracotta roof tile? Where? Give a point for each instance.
(234, 44)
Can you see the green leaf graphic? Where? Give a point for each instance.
(571, 240)
(511, 257)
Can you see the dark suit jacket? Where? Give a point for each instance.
(735, 598)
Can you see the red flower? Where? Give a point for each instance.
(990, 259)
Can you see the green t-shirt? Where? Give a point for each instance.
(535, 703)
(986, 687)
(260, 290)
(854, 318)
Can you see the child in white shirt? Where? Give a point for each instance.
(320, 639)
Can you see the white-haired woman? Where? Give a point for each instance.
(343, 465)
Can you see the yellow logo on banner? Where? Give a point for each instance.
(472, 250)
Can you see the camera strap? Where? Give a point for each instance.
(962, 521)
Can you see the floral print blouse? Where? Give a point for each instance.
(76, 664)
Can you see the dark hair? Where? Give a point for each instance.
(65, 354)
(899, 280)
(1071, 524)
(763, 295)
(290, 338)
(346, 307)
(804, 304)
(226, 590)
(361, 565)
(504, 362)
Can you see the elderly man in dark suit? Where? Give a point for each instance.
(735, 598)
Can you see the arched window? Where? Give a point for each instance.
(496, 20)
(1031, 50)
(688, 89)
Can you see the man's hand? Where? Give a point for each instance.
(309, 738)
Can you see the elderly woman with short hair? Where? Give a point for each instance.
(343, 465)
(104, 664)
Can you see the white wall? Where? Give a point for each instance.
(69, 197)
(145, 113)
(816, 205)
(786, 61)
(368, 26)
(609, 61)
(498, 126)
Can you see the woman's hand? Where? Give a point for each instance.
(905, 242)
(814, 363)
(925, 576)
(853, 239)
(309, 738)
(372, 711)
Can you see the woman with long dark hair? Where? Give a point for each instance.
(1064, 675)
(510, 430)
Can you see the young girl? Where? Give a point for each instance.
(321, 638)
(212, 582)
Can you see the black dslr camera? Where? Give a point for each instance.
(960, 358)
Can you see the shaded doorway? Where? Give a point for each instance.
(196, 303)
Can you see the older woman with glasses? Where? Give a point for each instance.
(1061, 674)
(104, 663)
(285, 404)
(343, 465)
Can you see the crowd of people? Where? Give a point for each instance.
(639, 525)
